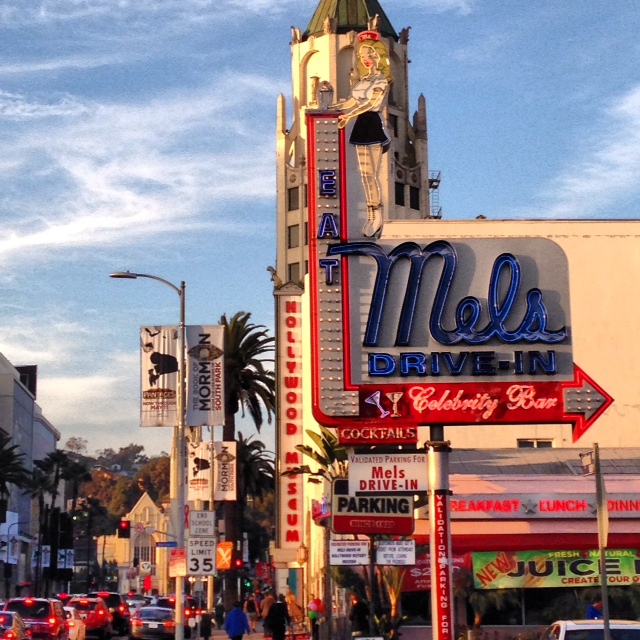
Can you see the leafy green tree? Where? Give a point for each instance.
(129, 458)
(76, 445)
(249, 389)
(154, 478)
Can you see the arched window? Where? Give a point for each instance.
(145, 548)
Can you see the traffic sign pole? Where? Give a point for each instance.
(440, 535)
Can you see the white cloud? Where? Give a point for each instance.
(17, 107)
(114, 172)
(58, 64)
(463, 7)
(609, 170)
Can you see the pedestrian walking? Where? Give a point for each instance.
(251, 609)
(218, 613)
(205, 625)
(278, 619)
(265, 607)
(359, 616)
(237, 624)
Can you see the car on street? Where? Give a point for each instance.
(153, 623)
(190, 608)
(591, 630)
(77, 626)
(12, 626)
(118, 608)
(45, 618)
(95, 614)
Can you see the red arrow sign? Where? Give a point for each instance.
(579, 402)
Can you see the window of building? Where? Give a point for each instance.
(306, 267)
(400, 194)
(414, 198)
(305, 191)
(535, 443)
(294, 272)
(293, 236)
(293, 199)
(306, 233)
(393, 124)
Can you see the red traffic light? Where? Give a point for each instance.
(238, 563)
(124, 528)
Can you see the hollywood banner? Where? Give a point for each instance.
(533, 569)
(160, 362)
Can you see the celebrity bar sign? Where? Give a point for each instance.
(424, 331)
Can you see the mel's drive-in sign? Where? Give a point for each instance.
(426, 330)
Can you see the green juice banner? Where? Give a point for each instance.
(533, 569)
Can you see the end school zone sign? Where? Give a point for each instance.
(397, 473)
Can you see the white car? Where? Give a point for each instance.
(77, 627)
(591, 630)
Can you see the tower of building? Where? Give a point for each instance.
(325, 53)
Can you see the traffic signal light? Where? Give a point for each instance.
(238, 563)
(124, 528)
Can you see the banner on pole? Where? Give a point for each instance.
(199, 471)
(225, 470)
(205, 375)
(159, 364)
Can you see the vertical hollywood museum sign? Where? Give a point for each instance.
(290, 429)
(432, 331)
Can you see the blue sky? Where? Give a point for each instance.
(139, 134)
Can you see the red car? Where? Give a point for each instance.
(45, 618)
(96, 616)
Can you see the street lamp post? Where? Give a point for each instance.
(177, 489)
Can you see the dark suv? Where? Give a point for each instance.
(46, 618)
(118, 608)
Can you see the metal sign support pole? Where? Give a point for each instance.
(440, 535)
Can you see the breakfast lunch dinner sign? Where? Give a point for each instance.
(432, 331)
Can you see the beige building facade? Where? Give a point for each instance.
(603, 258)
(139, 556)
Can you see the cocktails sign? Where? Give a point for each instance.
(407, 332)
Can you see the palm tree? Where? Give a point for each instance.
(332, 460)
(12, 469)
(40, 485)
(256, 478)
(54, 464)
(76, 472)
(256, 472)
(249, 388)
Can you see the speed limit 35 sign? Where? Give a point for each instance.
(201, 556)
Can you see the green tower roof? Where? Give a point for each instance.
(350, 15)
